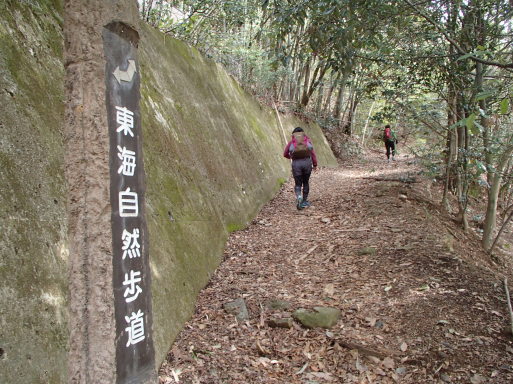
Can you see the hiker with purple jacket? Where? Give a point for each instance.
(300, 150)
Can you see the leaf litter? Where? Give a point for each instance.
(417, 309)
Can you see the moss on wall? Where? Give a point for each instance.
(33, 290)
(212, 156)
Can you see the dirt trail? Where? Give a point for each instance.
(419, 302)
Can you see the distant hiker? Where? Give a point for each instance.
(390, 140)
(300, 150)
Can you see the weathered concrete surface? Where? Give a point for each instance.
(33, 246)
(212, 158)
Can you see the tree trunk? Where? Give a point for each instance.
(367, 123)
(461, 174)
(348, 126)
(504, 225)
(327, 103)
(305, 82)
(507, 190)
(340, 98)
(143, 10)
(295, 64)
(297, 87)
(452, 136)
(312, 85)
(452, 114)
(351, 107)
(493, 194)
(451, 145)
(159, 15)
(148, 10)
(320, 96)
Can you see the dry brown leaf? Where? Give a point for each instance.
(329, 289)
(361, 367)
(374, 359)
(478, 379)
(388, 363)
(261, 350)
(371, 321)
(312, 249)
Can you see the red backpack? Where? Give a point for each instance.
(387, 135)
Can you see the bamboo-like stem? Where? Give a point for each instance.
(509, 303)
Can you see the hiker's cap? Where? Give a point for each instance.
(297, 129)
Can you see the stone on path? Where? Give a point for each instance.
(320, 317)
(277, 304)
(367, 251)
(238, 309)
(280, 323)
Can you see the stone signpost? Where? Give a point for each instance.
(131, 272)
(110, 290)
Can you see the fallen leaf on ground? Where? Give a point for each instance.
(477, 379)
(329, 289)
(388, 363)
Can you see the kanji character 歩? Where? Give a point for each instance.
(133, 288)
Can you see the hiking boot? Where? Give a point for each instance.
(393, 158)
(299, 201)
(305, 204)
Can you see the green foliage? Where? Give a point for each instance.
(367, 63)
(233, 227)
(504, 106)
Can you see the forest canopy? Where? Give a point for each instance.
(440, 72)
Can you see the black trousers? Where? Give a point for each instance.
(301, 170)
(390, 146)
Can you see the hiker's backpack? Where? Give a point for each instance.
(387, 134)
(300, 147)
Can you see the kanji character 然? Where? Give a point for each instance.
(131, 246)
